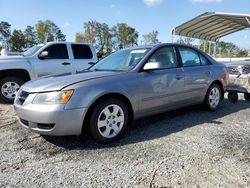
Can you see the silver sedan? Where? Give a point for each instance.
(127, 85)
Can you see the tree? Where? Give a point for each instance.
(79, 37)
(17, 41)
(124, 36)
(104, 39)
(150, 38)
(185, 40)
(30, 36)
(42, 31)
(54, 32)
(242, 53)
(48, 31)
(90, 31)
(5, 32)
(98, 34)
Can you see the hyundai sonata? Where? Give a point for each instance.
(128, 84)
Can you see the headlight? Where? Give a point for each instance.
(56, 97)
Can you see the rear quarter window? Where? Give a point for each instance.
(81, 51)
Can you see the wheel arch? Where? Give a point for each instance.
(104, 97)
(219, 83)
(20, 73)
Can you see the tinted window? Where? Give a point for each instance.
(204, 61)
(82, 51)
(165, 56)
(189, 57)
(57, 51)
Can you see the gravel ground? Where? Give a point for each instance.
(184, 148)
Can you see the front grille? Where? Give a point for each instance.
(235, 71)
(23, 96)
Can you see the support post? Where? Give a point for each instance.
(204, 46)
(215, 43)
(209, 50)
(173, 35)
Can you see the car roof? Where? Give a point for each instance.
(61, 42)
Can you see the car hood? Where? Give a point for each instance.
(16, 57)
(58, 82)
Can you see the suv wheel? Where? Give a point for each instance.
(9, 87)
(108, 121)
(213, 97)
(247, 96)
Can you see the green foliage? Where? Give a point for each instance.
(150, 38)
(30, 36)
(90, 31)
(79, 37)
(17, 41)
(104, 39)
(243, 53)
(5, 32)
(47, 31)
(107, 39)
(124, 36)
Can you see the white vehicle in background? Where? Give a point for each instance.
(52, 58)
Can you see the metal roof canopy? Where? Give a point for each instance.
(212, 26)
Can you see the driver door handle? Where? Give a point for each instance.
(66, 63)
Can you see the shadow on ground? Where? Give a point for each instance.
(156, 126)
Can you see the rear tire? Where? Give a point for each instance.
(213, 97)
(9, 87)
(247, 96)
(108, 121)
(233, 96)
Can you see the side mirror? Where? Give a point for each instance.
(43, 54)
(152, 66)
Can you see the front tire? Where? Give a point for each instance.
(108, 121)
(9, 87)
(213, 97)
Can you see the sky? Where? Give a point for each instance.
(143, 15)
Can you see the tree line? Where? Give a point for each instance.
(18, 40)
(223, 49)
(105, 38)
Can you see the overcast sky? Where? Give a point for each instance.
(144, 15)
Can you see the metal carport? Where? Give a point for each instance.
(211, 26)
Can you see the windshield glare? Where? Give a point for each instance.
(123, 60)
(32, 50)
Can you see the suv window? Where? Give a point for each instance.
(189, 57)
(57, 51)
(165, 56)
(82, 51)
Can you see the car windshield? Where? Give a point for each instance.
(123, 60)
(32, 50)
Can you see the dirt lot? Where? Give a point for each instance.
(184, 148)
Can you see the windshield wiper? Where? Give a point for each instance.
(113, 70)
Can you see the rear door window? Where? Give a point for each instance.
(81, 51)
(189, 57)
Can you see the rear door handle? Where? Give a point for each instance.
(66, 63)
(207, 72)
(178, 77)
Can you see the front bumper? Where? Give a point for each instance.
(52, 120)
